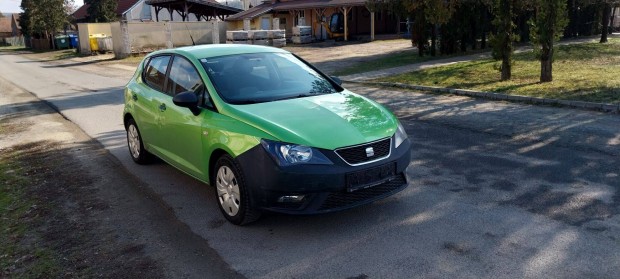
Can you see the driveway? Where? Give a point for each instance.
(496, 190)
(331, 56)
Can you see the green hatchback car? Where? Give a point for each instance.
(266, 128)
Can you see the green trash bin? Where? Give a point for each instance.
(62, 42)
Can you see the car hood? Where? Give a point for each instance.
(325, 121)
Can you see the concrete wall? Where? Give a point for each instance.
(142, 37)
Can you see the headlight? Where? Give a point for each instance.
(400, 136)
(287, 154)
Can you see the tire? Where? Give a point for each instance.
(135, 144)
(231, 192)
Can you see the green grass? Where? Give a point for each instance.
(18, 216)
(395, 60)
(64, 54)
(582, 72)
(390, 61)
(12, 48)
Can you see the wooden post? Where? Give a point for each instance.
(372, 26)
(346, 10)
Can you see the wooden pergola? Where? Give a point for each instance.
(294, 7)
(202, 9)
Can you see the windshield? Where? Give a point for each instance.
(264, 77)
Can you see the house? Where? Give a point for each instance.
(176, 10)
(327, 18)
(9, 26)
(125, 10)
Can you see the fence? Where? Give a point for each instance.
(141, 37)
(41, 44)
(13, 41)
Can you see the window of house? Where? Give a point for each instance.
(299, 16)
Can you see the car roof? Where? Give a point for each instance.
(206, 51)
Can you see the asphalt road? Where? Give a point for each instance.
(496, 190)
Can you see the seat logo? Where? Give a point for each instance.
(370, 152)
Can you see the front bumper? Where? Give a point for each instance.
(323, 186)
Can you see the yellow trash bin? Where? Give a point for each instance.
(92, 39)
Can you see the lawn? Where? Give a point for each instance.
(582, 72)
(398, 59)
(391, 61)
(19, 217)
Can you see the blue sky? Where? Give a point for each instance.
(12, 6)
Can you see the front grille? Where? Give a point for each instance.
(343, 199)
(357, 155)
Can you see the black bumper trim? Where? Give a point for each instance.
(324, 186)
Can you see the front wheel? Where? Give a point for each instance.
(232, 194)
(134, 142)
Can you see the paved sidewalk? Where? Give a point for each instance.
(361, 77)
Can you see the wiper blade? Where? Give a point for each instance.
(246, 102)
(295, 97)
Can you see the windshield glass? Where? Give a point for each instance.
(264, 77)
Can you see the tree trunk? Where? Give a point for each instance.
(485, 19)
(474, 34)
(546, 64)
(434, 40)
(506, 69)
(613, 17)
(606, 16)
(421, 48)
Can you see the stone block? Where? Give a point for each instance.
(245, 42)
(263, 42)
(277, 34)
(302, 31)
(278, 42)
(236, 35)
(302, 39)
(258, 34)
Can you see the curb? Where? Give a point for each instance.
(611, 108)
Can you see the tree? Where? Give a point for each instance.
(605, 23)
(437, 12)
(42, 18)
(504, 36)
(101, 10)
(546, 27)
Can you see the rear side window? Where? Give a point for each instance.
(155, 72)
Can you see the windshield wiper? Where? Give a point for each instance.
(247, 102)
(295, 97)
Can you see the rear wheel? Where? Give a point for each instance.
(134, 142)
(231, 192)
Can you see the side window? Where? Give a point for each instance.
(155, 72)
(184, 77)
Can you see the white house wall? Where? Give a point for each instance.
(140, 11)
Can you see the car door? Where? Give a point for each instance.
(147, 99)
(180, 129)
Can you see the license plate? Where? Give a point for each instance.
(370, 177)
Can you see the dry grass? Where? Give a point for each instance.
(584, 72)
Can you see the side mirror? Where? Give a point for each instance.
(337, 80)
(187, 100)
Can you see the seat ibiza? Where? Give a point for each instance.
(268, 130)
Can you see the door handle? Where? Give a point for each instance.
(134, 96)
(162, 107)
